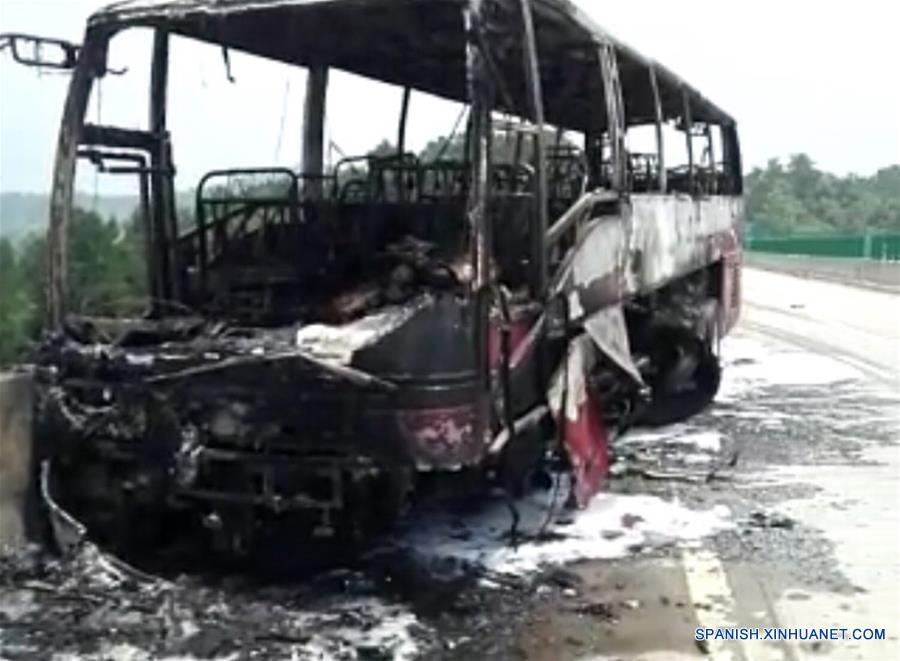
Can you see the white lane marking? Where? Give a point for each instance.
(882, 361)
(713, 601)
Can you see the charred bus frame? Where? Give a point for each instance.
(595, 285)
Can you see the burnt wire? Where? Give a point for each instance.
(226, 58)
(99, 123)
(552, 507)
(516, 518)
(284, 102)
(502, 299)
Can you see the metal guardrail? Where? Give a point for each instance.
(873, 246)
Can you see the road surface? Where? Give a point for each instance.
(810, 406)
(777, 507)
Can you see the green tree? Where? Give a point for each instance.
(15, 306)
(106, 268)
(106, 276)
(801, 198)
(444, 148)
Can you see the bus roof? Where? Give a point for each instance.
(419, 43)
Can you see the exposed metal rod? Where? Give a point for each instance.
(479, 136)
(660, 142)
(536, 111)
(98, 158)
(714, 182)
(159, 159)
(576, 212)
(478, 151)
(64, 179)
(565, 222)
(401, 128)
(688, 132)
(401, 142)
(615, 113)
(314, 129)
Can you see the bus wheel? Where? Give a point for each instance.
(686, 377)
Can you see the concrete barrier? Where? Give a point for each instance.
(869, 273)
(17, 485)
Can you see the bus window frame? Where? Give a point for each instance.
(662, 176)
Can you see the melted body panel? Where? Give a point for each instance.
(653, 241)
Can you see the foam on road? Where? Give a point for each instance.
(612, 526)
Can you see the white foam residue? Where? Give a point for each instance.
(139, 360)
(612, 526)
(338, 343)
(760, 414)
(16, 604)
(704, 440)
(708, 440)
(344, 632)
(695, 459)
(642, 436)
(363, 624)
(98, 567)
(127, 652)
(750, 364)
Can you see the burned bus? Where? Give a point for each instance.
(324, 344)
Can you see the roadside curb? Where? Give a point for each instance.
(17, 488)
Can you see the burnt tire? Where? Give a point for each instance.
(686, 380)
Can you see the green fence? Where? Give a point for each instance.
(858, 246)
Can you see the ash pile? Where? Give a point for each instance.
(89, 606)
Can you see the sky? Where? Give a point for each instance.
(798, 75)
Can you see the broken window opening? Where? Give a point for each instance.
(112, 242)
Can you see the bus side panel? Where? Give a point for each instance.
(658, 239)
